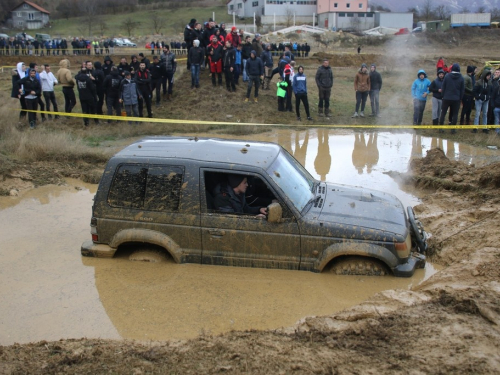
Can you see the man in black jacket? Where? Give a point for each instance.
(111, 86)
(156, 70)
(453, 91)
(436, 87)
(143, 80)
(255, 72)
(87, 94)
(375, 87)
(32, 91)
(229, 61)
(324, 81)
(98, 75)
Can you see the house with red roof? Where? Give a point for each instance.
(28, 15)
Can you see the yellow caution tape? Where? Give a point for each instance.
(198, 122)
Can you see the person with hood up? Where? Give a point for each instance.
(362, 88)
(482, 92)
(495, 77)
(130, 96)
(87, 94)
(495, 102)
(189, 35)
(419, 92)
(145, 60)
(233, 37)
(299, 86)
(324, 81)
(229, 62)
(111, 87)
(453, 90)
(196, 59)
(215, 60)
(108, 63)
(375, 87)
(134, 65)
(468, 97)
(229, 197)
(255, 73)
(67, 82)
(31, 88)
(99, 76)
(436, 88)
(18, 74)
(223, 31)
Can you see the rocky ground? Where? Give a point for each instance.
(448, 324)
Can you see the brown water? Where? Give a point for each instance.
(50, 292)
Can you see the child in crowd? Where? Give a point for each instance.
(281, 93)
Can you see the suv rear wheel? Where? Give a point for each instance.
(356, 265)
(146, 254)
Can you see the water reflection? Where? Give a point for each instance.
(323, 159)
(365, 153)
(301, 151)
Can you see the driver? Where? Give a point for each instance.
(230, 197)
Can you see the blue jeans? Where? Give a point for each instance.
(496, 113)
(195, 75)
(481, 106)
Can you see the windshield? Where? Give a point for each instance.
(293, 179)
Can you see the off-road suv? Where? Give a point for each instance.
(158, 193)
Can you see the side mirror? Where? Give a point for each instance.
(274, 213)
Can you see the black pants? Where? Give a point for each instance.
(303, 98)
(69, 99)
(454, 106)
(22, 113)
(32, 104)
(146, 98)
(466, 108)
(113, 103)
(324, 97)
(219, 78)
(156, 87)
(88, 107)
(167, 82)
(230, 85)
(251, 81)
(50, 97)
(361, 97)
(100, 101)
(281, 104)
(289, 91)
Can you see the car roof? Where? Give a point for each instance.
(233, 151)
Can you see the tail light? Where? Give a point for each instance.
(93, 229)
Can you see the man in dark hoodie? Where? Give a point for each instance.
(134, 65)
(436, 88)
(453, 91)
(98, 82)
(108, 63)
(156, 70)
(375, 87)
(111, 86)
(468, 97)
(255, 72)
(32, 91)
(87, 93)
(143, 80)
(482, 93)
(324, 81)
(229, 61)
(189, 36)
(494, 85)
(495, 102)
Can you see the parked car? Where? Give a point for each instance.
(118, 42)
(128, 43)
(42, 38)
(403, 31)
(158, 195)
(5, 36)
(417, 29)
(26, 37)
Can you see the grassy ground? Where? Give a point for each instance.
(173, 23)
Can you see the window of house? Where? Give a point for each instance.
(240, 5)
(348, 5)
(369, 14)
(360, 5)
(19, 14)
(335, 5)
(20, 23)
(350, 14)
(25, 6)
(153, 188)
(231, 7)
(341, 14)
(255, 4)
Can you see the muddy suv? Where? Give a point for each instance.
(157, 196)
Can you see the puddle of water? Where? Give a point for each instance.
(50, 292)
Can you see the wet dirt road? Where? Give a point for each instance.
(50, 292)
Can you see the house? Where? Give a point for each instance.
(28, 15)
(280, 11)
(345, 14)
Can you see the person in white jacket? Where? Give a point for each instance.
(48, 81)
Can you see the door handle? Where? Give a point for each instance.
(216, 232)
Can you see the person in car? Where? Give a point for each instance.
(229, 197)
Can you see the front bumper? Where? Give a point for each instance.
(408, 269)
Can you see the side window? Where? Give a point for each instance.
(129, 186)
(163, 192)
(153, 188)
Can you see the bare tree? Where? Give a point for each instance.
(416, 14)
(465, 10)
(442, 12)
(157, 23)
(90, 10)
(289, 17)
(481, 9)
(426, 12)
(129, 24)
(101, 25)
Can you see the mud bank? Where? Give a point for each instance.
(448, 324)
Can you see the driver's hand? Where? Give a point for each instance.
(263, 211)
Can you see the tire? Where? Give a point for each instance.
(358, 265)
(420, 236)
(148, 255)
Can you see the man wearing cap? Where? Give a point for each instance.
(230, 197)
(362, 88)
(256, 45)
(324, 81)
(129, 95)
(453, 91)
(375, 87)
(233, 37)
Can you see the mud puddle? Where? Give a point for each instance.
(50, 292)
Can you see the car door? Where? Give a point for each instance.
(244, 240)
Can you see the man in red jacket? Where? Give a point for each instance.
(215, 58)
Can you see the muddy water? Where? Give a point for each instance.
(50, 292)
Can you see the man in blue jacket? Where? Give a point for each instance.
(300, 90)
(419, 92)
